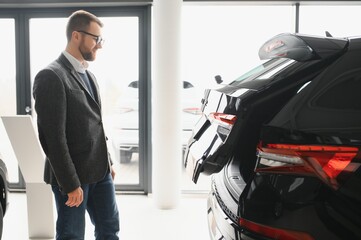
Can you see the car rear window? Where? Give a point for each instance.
(264, 71)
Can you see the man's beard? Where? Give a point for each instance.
(87, 55)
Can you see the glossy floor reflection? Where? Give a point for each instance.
(140, 219)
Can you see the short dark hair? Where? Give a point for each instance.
(80, 20)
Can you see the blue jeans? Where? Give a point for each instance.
(99, 201)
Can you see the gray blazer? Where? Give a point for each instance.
(70, 127)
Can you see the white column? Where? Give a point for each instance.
(166, 106)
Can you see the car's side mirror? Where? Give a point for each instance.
(218, 79)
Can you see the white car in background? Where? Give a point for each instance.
(125, 134)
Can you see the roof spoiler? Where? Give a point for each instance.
(300, 47)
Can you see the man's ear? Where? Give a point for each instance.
(75, 35)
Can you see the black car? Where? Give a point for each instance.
(4, 192)
(283, 142)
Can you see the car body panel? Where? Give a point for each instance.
(218, 222)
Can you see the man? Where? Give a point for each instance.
(71, 133)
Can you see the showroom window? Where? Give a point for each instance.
(8, 92)
(123, 60)
(210, 48)
(332, 20)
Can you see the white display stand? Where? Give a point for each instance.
(30, 157)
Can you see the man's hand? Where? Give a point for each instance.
(75, 198)
(112, 172)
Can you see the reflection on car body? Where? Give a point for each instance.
(283, 144)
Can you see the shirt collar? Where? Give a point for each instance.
(78, 66)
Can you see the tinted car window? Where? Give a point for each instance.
(273, 71)
(264, 71)
(345, 94)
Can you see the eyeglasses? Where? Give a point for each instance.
(98, 39)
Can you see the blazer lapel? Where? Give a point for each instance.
(95, 86)
(77, 78)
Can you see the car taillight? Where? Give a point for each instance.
(226, 120)
(274, 233)
(193, 110)
(327, 162)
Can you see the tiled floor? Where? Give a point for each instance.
(140, 219)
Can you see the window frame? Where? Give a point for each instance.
(22, 17)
